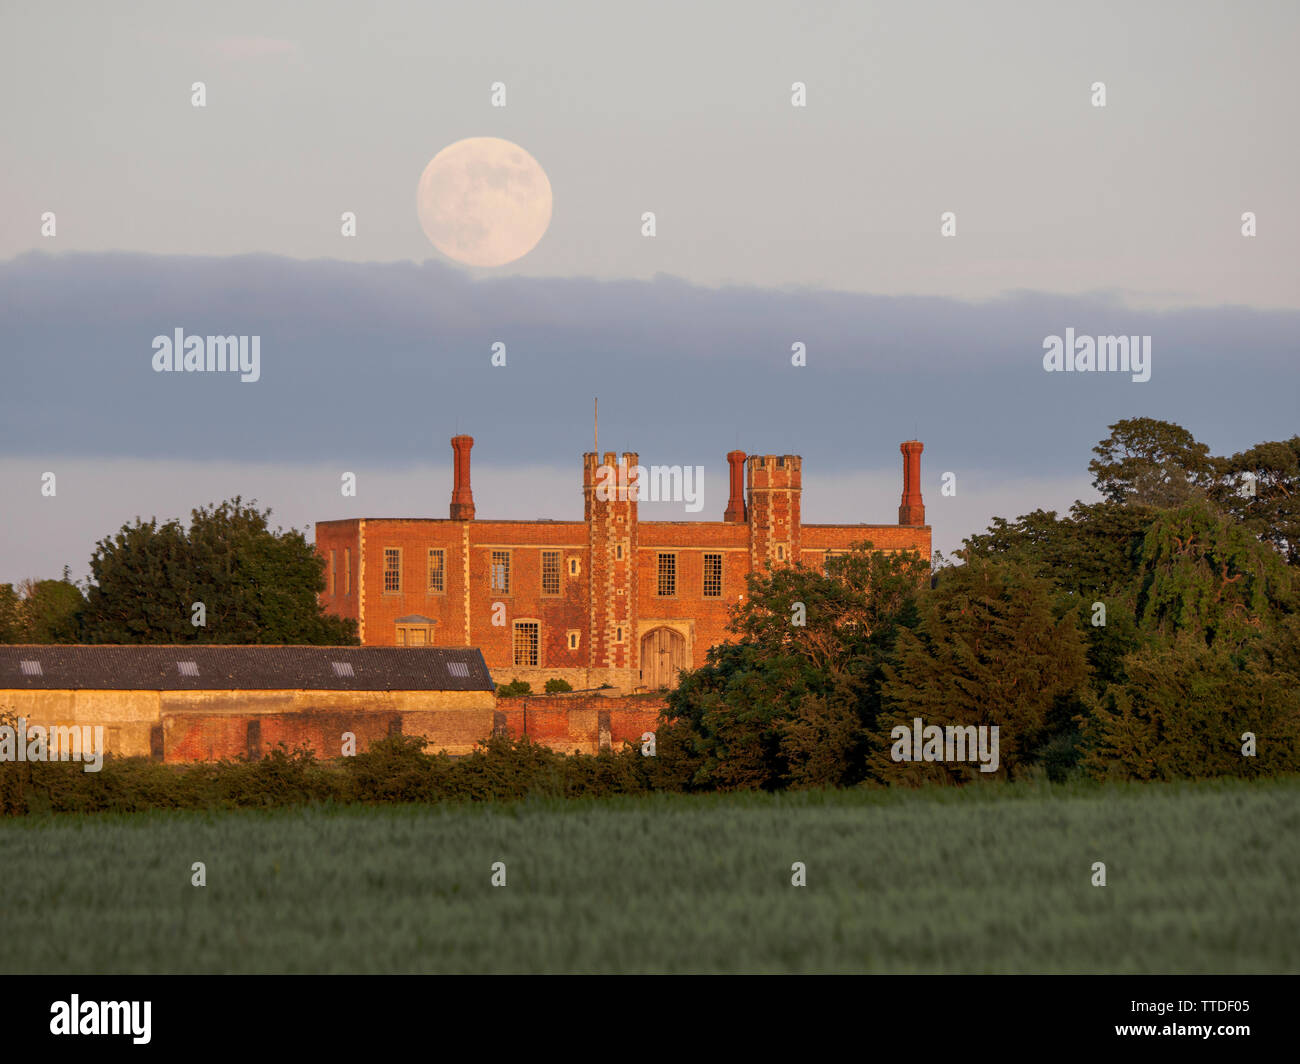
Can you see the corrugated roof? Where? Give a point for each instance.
(191, 667)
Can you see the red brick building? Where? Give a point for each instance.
(608, 599)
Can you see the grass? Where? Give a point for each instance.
(1201, 878)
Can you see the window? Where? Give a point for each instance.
(550, 572)
(30, 668)
(333, 568)
(574, 567)
(342, 668)
(437, 571)
(527, 635)
(501, 570)
(459, 669)
(415, 630)
(574, 636)
(618, 552)
(780, 552)
(392, 569)
(187, 668)
(347, 570)
(667, 574)
(713, 576)
(618, 634)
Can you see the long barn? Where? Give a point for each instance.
(191, 703)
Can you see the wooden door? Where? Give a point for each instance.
(663, 655)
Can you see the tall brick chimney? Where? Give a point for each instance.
(912, 510)
(462, 495)
(736, 504)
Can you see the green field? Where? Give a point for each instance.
(987, 878)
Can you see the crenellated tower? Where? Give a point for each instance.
(775, 487)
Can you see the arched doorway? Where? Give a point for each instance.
(663, 655)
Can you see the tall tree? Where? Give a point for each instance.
(1219, 638)
(1149, 462)
(988, 651)
(1261, 489)
(1203, 573)
(1091, 559)
(253, 584)
(1088, 552)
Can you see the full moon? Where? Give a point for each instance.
(484, 201)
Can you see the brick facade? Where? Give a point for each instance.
(488, 587)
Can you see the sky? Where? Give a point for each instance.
(775, 225)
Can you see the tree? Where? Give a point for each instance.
(792, 700)
(1091, 559)
(1260, 488)
(1201, 572)
(41, 611)
(1149, 462)
(53, 610)
(1185, 711)
(13, 625)
(255, 585)
(1090, 552)
(987, 651)
(1218, 655)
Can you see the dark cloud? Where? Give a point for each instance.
(383, 362)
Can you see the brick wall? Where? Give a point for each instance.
(818, 539)
(214, 736)
(339, 545)
(568, 724)
(579, 723)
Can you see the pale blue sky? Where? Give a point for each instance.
(683, 108)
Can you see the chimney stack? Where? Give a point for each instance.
(462, 496)
(736, 504)
(912, 510)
